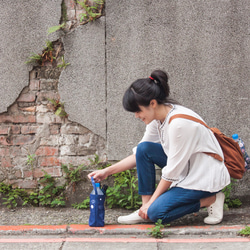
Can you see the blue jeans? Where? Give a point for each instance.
(174, 203)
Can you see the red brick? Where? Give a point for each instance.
(43, 96)
(53, 171)
(29, 109)
(15, 151)
(49, 161)
(54, 129)
(14, 129)
(4, 130)
(27, 184)
(6, 140)
(25, 119)
(18, 174)
(4, 151)
(70, 4)
(27, 97)
(4, 118)
(34, 84)
(23, 139)
(47, 151)
(6, 162)
(29, 129)
(27, 173)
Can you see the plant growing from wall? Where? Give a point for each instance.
(56, 28)
(92, 10)
(31, 160)
(63, 20)
(228, 201)
(46, 56)
(124, 193)
(50, 195)
(63, 64)
(58, 108)
(34, 58)
(83, 205)
(73, 175)
(12, 195)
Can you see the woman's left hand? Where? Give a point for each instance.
(143, 212)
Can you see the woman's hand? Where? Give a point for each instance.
(98, 175)
(125, 164)
(143, 212)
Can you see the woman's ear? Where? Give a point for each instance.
(153, 103)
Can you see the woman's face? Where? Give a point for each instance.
(146, 114)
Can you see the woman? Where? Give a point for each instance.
(190, 178)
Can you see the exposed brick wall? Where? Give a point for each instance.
(31, 127)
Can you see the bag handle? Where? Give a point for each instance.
(93, 183)
(189, 117)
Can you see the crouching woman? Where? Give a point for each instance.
(190, 178)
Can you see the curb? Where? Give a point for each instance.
(118, 230)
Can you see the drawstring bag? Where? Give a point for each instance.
(97, 210)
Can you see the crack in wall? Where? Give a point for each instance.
(30, 127)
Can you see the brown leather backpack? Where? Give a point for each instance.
(233, 157)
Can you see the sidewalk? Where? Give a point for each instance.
(134, 230)
(44, 221)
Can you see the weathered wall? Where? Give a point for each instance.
(28, 125)
(30, 128)
(24, 26)
(83, 84)
(203, 45)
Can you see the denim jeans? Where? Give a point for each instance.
(174, 203)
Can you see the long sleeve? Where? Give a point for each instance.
(151, 134)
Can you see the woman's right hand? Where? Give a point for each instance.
(98, 175)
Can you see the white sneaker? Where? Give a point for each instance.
(133, 218)
(215, 211)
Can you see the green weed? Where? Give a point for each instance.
(46, 55)
(50, 195)
(245, 231)
(63, 64)
(73, 175)
(93, 11)
(83, 205)
(124, 193)
(156, 231)
(58, 108)
(228, 201)
(31, 159)
(56, 28)
(12, 195)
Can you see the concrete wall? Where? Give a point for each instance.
(24, 26)
(203, 45)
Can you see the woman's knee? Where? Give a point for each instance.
(153, 214)
(143, 147)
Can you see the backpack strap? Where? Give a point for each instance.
(189, 117)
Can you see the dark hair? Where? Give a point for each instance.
(142, 91)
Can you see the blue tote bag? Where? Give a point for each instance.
(97, 210)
